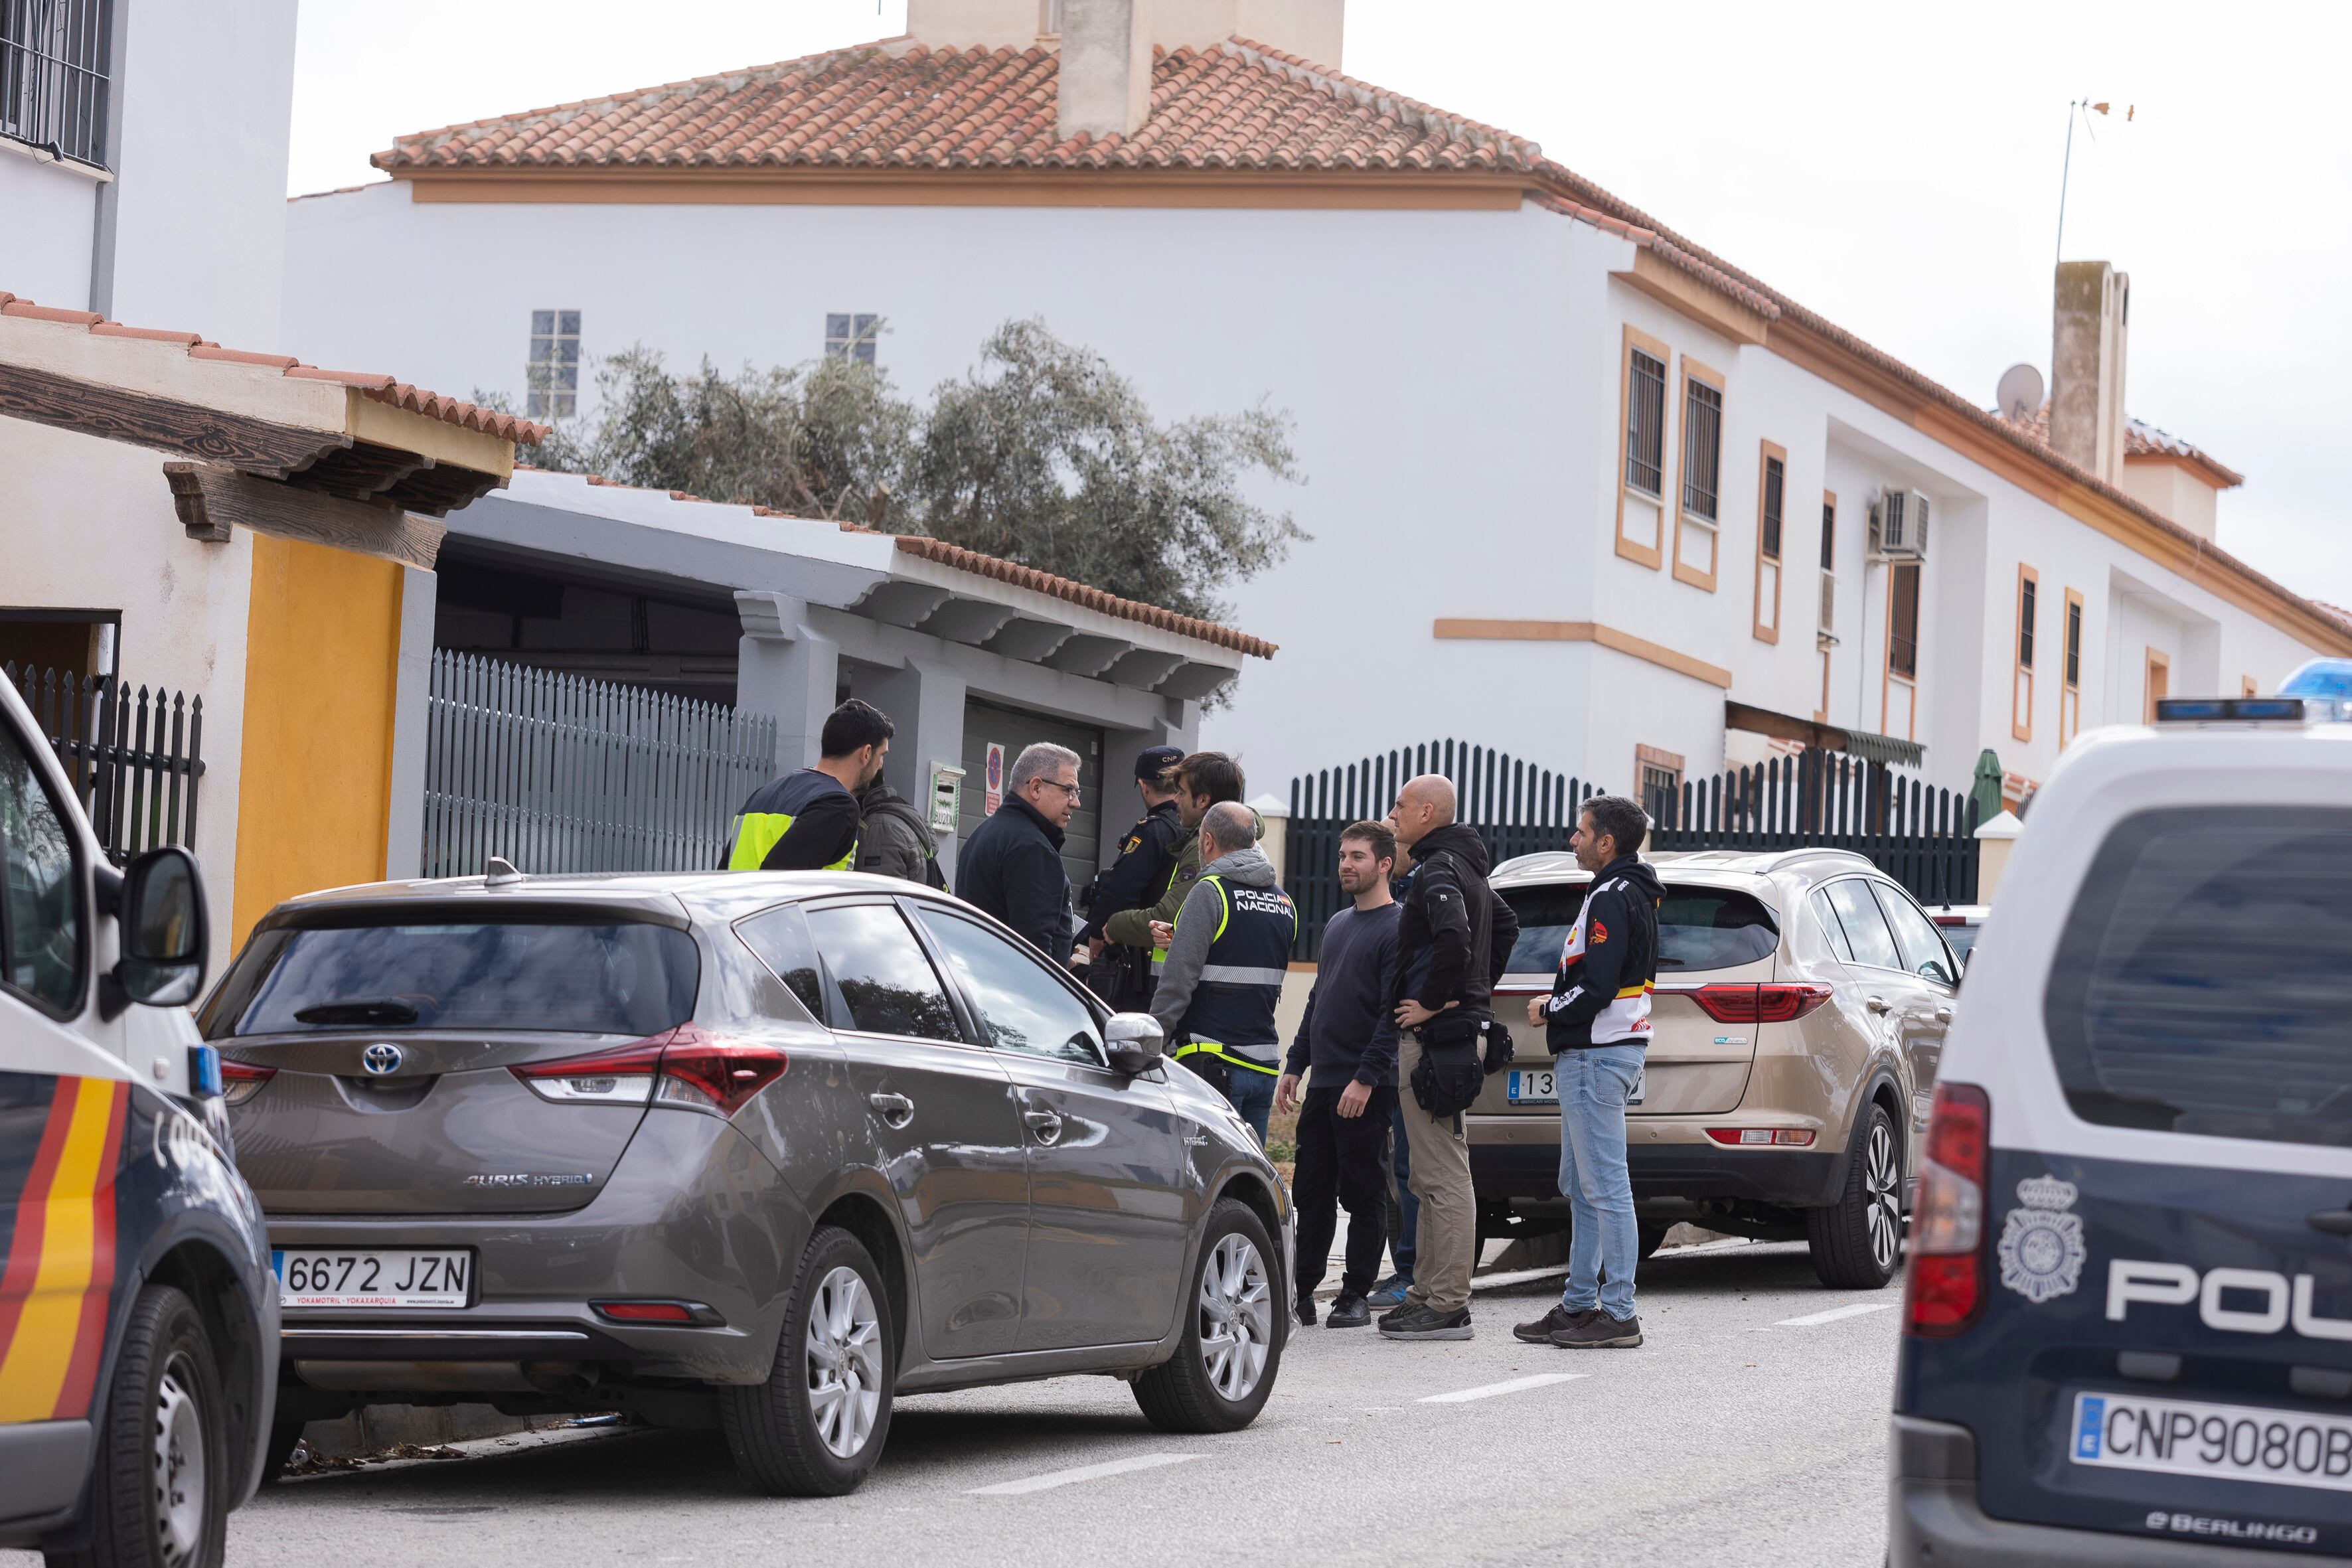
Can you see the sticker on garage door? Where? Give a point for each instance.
(993, 796)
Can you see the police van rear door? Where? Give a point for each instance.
(2169, 1317)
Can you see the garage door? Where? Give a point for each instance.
(985, 724)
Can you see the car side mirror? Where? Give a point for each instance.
(1134, 1042)
(161, 914)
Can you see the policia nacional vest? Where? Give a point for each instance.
(769, 814)
(1230, 1024)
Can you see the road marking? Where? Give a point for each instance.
(1488, 1391)
(1856, 1310)
(1053, 1479)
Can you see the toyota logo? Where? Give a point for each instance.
(381, 1059)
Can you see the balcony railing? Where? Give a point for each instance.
(54, 89)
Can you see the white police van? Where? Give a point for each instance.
(2128, 1320)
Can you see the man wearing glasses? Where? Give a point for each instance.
(1012, 864)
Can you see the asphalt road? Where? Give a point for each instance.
(1750, 1429)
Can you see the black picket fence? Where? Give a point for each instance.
(134, 760)
(1922, 836)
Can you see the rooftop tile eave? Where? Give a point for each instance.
(377, 387)
(1010, 572)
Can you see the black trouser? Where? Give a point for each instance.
(1339, 1163)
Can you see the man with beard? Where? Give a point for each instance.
(807, 821)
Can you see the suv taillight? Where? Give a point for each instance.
(1774, 1001)
(1945, 1291)
(685, 1066)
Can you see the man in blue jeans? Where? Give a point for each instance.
(1597, 1022)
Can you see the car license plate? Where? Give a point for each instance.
(2233, 1442)
(1533, 1087)
(386, 1279)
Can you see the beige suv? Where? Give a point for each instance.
(1802, 1003)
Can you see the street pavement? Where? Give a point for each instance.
(1750, 1428)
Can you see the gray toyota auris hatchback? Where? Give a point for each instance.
(752, 1152)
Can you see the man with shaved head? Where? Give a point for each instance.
(1227, 959)
(1449, 939)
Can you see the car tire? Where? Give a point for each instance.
(816, 1428)
(1857, 1241)
(1218, 1381)
(162, 1467)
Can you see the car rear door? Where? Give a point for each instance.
(1935, 979)
(1109, 1179)
(1898, 1004)
(942, 1112)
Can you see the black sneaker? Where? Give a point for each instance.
(1348, 1313)
(1599, 1331)
(1540, 1331)
(1305, 1313)
(1429, 1323)
(1397, 1314)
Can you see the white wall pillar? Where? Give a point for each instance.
(1995, 839)
(786, 670)
(925, 700)
(403, 827)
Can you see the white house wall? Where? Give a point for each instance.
(47, 214)
(1452, 377)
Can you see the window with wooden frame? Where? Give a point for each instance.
(1698, 493)
(2159, 686)
(1658, 783)
(1642, 449)
(2070, 691)
(2020, 685)
(1898, 705)
(1771, 488)
(2246, 687)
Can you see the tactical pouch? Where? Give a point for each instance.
(1448, 1079)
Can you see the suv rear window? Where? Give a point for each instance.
(623, 978)
(2200, 984)
(1698, 928)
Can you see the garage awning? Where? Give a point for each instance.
(1867, 744)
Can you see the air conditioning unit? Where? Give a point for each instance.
(1902, 524)
(1829, 603)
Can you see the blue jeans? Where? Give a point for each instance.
(1253, 1095)
(1594, 1084)
(1408, 1206)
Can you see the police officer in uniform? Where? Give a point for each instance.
(1119, 974)
(807, 821)
(1226, 960)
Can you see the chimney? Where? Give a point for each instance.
(2086, 366)
(1105, 68)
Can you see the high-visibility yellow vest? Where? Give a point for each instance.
(769, 814)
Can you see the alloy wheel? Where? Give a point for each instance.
(1236, 1317)
(1881, 1176)
(176, 1464)
(845, 1361)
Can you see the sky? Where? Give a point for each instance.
(1895, 169)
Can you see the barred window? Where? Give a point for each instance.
(1645, 424)
(552, 377)
(2073, 642)
(1774, 479)
(851, 336)
(2025, 594)
(1829, 536)
(54, 89)
(1702, 447)
(1903, 609)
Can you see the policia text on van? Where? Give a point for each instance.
(807, 821)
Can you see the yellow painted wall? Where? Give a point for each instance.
(322, 654)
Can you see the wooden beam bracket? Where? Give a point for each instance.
(211, 496)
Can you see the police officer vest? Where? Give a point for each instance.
(1232, 1015)
(769, 814)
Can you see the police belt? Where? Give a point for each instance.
(1187, 1045)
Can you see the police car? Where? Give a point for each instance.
(138, 1315)
(2129, 1318)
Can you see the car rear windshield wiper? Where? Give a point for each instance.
(362, 1010)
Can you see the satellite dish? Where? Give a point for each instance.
(2019, 394)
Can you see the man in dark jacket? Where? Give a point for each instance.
(1012, 864)
(893, 839)
(1597, 1021)
(807, 821)
(1119, 974)
(1203, 780)
(1448, 933)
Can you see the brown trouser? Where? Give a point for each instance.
(1447, 1244)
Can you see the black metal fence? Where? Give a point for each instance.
(1922, 836)
(136, 760)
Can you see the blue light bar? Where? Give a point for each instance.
(2239, 709)
(2328, 678)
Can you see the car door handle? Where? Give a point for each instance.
(895, 1110)
(1876, 1003)
(1045, 1124)
(2334, 1222)
(1943, 1014)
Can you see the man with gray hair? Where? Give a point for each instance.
(1011, 865)
(1226, 960)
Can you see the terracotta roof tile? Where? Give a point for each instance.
(377, 387)
(2142, 439)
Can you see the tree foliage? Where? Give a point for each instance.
(1041, 454)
